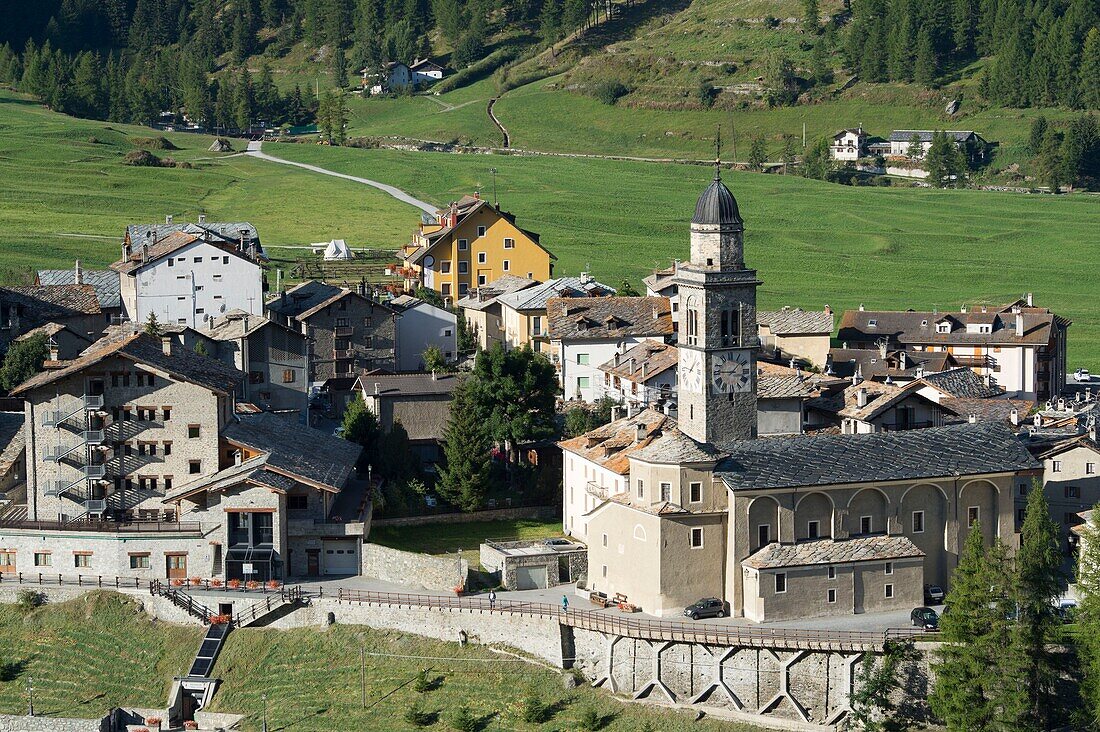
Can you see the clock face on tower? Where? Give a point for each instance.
(691, 370)
(731, 373)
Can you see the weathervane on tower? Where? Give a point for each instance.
(718, 154)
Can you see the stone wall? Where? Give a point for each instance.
(496, 514)
(503, 564)
(430, 572)
(13, 723)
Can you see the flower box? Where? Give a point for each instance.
(190, 724)
(196, 581)
(252, 585)
(273, 584)
(216, 583)
(234, 584)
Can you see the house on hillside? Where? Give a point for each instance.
(482, 309)
(188, 274)
(849, 144)
(105, 282)
(523, 313)
(586, 332)
(468, 245)
(421, 326)
(971, 143)
(60, 307)
(396, 76)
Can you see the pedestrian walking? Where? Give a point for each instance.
(492, 599)
(564, 604)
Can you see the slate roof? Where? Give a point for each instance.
(912, 327)
(962, 382)
(183, 364)
(105, 282)
(535, 298)
(170, 244)
(12, 439)
(673, 447)
(829, 551)
(48, 302)
(308, 298)
(934, 452)
(650, 357)
(612, 444)
(487, 295)
(408, 384)
(988, 410)
(796, 321)
(51, 329)
(926, 135)
(661, 281)
(227, 232)
(294, 449)
(844, 362)
(236, 324)
(784, 387)
(716, 205)
(602, 318)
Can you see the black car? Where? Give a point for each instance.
(925, 617)
(933, 594)
(708, 607)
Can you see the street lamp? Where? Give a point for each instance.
(30, 697)
(264, 697)
(496, 201)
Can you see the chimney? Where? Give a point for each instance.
(861, 307)
(1038, 421)
(1030, 300)
(477, 195)
(361, 288)
(1014, 417)
(1019, 325)
(238, 457)
(54, 352)
(617, 356)
(78, 273)
(861, 397)
(166, 345)
(972, 418)
(882, 348)
(630, 368)
(963, 309)
(564, 307)
(126, 250)
(615, 414)
(640, 433)
(377, 388)
(902, 358)
(144, 253)
(168, 219)
(645, 370)
(1092, 428)
(434, 376)
(202, 218)
(828, 310)
(656, 312)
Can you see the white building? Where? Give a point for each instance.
(902, 140)
(397, 75)
(189, 277)
(420, 326)
(642, 376)
(588, 331)
(849, 144)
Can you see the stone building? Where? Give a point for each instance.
(346, 330)
(785, 526)
(794, 333)
(105, 282)
(423, 326)
(419, 402)
(23, 309)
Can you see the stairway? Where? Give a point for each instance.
(208, 650)
(182, 600)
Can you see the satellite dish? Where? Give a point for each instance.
(429, 261)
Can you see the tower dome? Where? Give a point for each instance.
(717, 206)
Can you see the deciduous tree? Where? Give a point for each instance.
(23, 360)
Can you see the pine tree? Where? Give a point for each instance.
(817, 163)
(820, 70)
(758, 153)
(244, 109)
(810, 16)
(550, 21)
(515, 393)
(152, 325)
(962, 670)
(1039, 581)
(1088, 84)
(915, 151)
(964, 13)
(940, 161)
(340, 69)
(925, 71)
(1050, 163)
(575, 14)
(1088, 615)
(464, 477)
(361, 427)
(1037, 135)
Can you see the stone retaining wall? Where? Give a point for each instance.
(409, 568)
(496, 514)
(13, 723)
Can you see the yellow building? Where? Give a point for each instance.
(470, 244)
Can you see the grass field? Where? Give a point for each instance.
(467, 537)
(100, 650)
(64, 197)
(812, 242)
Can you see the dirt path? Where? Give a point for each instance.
(255, 151)
(503, 130)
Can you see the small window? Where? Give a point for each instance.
(198, 260)
(696, 538)
(509, 243)
(225, 260)
(872, 323)
(603, 570)
(1073, 491)
(194, 467)
(641, 489)
(481, 231)
(194, 431)
(139, 561)
(288, 376)
(865, 524)
(198, 288)
(1056, 466)
(832, 573)
(832, 596)
(82, 561)
(918, 522)
(445, 266)
(171, 263)
(463, 267)
(813, 529)
(695, 492)
(972, 515)
(506, 265)
(666, 491)
(463, 245)
(605, 539)
(763, 535)
(43, 559)
(582, 382)
(889, 591)
(217, 278)
(1023, 489)
(780, 583)
(482, 280)
(167, 448)
(445, 289)
(1021, 514)
(297, 501)
(889, 568)
(7, 560)
(481, 258)
(167, 482)
(341, 322)
(1090, 468)
(582, 359)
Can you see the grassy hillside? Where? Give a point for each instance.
(100, 650)
(65, 193)
(813, 242)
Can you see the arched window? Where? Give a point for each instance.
(731, 327)
(692, 321)
(639, 532)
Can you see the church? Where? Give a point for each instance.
(676, 510)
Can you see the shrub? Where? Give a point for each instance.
(415, 715)
(28, 600)
(610, 92)
(252, 585)
(153, 143)
(464, 721)
(706, 94)
(141, 159)
(422, 683)
(534, 710)
(234, 584)
(590, 720)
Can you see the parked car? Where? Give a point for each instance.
(708, 607)
(1082, 375)
(1066, 610)
(933, 594)
(925, 617)
(557, 542)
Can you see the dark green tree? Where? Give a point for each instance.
(23, 360)
(152, 325)
(1038, 134)
(514, 394)
(810, 17)
(361, 427)
(926, 70)
(915, 150)
(945, 162)
(817, 163)
(433, 359)
(464, 476)
(758, 153)
(339, 68)
(577, 422)
(626, 289)
(1088, 616)
(1050, 162)
(1088, 84)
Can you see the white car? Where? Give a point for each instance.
(1082, 375)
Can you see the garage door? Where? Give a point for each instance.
(531, 578)
(341, 557)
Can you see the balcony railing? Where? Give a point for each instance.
(345, 331)
(94, 472)
(598, 491)
(55, 417)
(342, 354)
(974, 362)
(114, 527)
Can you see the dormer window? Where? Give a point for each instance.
(872, 323)
(943, 327)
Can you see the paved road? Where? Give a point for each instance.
(254, 150)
